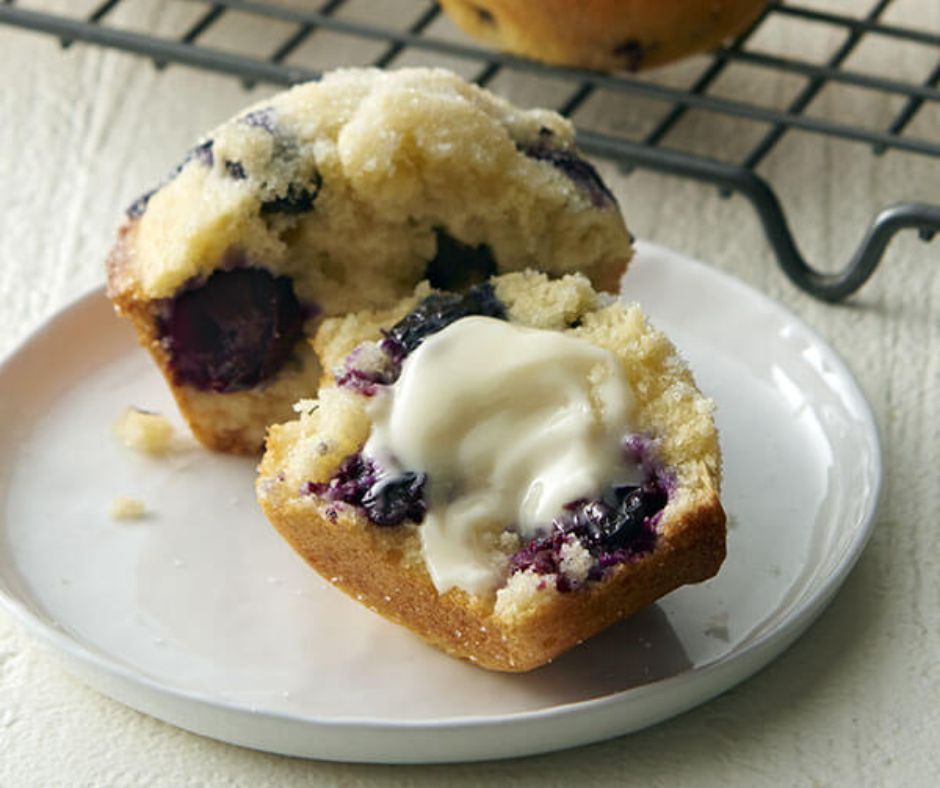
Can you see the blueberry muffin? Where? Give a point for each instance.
(505, 471)
(341, 195)
(608, 35)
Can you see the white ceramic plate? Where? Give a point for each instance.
(201, 616)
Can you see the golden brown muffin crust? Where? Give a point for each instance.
(608, 35)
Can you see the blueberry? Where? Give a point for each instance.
(621, 518)
(577, 170)
(632, 52)
(298, 199)
(260, 119)
(433, 314)
(438, 311)
(201, 153)
(231, 332)
(393, 500)
(590, 520)
(235, 169)
(136, 209)
(387, 501)
(353, 479)
(395, 350)
(630, 508)
(618, 526)
(456, 265)
(542, 555)
(484, 16)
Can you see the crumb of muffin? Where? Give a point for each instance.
(305, 405)
(144, 431)
(124, 508)
(576, 561)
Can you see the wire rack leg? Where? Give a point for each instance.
(832, 287)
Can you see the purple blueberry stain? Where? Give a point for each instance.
(260, 119)
(232, 331)
(235, 170)
(577, 170)
(542, 555)
(355, 475)
(136, 209)
(370, 366)
(297, 199)
(484, 15)
(364, 381)
(387, 500)
(202, 153)
(640, 449)
(396, 353)
(618, 527)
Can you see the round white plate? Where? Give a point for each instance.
(201, 616)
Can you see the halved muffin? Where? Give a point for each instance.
(505, 471)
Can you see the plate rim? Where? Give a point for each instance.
(754, 655)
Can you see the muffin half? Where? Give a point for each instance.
(335, 196)
(505, 471)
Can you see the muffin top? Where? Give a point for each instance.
(361, 184)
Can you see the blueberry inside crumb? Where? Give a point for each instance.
(202, 153)
(394, 500)
(136, 209)
(484, 15)
(617, 527)
(231, 332)
(260, 119)
(235, 169)
(456, 265)
(386, 500)
(439, 310)
(298, 199)
(578, 170)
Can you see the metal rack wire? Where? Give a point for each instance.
(652, 151)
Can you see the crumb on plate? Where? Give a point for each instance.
(124, 508)
(144, 431)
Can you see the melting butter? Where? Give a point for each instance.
(510, 424)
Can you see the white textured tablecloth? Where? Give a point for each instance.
(855, 702)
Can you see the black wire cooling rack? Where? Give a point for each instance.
(652, 150)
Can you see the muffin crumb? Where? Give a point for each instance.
(144, 431)
(124, 508)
